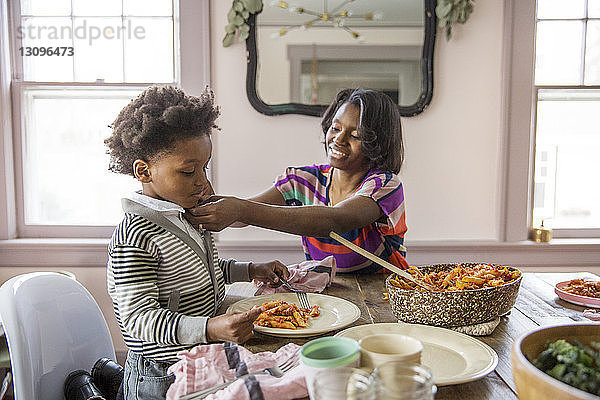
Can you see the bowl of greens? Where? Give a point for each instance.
(560, 362)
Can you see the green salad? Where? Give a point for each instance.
(573, 364)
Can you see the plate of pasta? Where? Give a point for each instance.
(583, 292)
(285, 318)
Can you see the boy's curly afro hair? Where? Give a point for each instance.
(150, 124)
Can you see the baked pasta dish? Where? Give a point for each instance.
(470, 277)
(280, 314)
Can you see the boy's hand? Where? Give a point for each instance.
(268, 272)
(235, 327)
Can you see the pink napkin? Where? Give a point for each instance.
(594, 315)
(309, 276)
(205, 366)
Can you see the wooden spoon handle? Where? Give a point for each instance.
(378, 260)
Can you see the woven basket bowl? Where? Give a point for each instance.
(449, 309)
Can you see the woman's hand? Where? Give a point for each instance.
(268, 272)
(216, 214)
(235, 327)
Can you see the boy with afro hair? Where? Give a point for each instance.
(164, 276)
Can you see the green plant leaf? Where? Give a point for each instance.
(228, 40)
(453, 16)
(442, 22)
(244, 35)
(238, 6)
(238, 20)
(253, 6)
(443, 9)
(245, 28)
(230, 28)
(451, 12)
(231, 15)
(245, 14)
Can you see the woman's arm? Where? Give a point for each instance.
(318, 221)
(270, 196)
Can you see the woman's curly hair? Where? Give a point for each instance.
(379, 127)
(151, 123)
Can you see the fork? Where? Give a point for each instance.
(277, 371)
(302, 296)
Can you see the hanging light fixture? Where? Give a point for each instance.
(337, 17)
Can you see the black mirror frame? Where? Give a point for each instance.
(317, 110)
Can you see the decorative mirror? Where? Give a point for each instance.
(300, 54)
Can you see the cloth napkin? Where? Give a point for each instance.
(309, 276)
(591, 314)
(205, 366)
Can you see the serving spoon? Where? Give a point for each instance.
(381, 261)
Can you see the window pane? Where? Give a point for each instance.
(99, 54)
(47, 32)
(560, 9)
(45, 7)
(148, 7)
(109, 49)
(567, 148)
(149, 50)
(594, 8)
(558, 53)
(65, 175)
(592, 53)
(104, 8)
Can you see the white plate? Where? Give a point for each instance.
(453, 357)
(336, 313)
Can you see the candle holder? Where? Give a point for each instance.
(541, 234)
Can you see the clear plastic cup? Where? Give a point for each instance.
(343, 383)
(398, 380)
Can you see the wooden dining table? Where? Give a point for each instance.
(537, 305)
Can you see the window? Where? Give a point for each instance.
(566, 195)
(76, 63)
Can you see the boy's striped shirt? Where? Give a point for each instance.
(147, 263)
(310, 185)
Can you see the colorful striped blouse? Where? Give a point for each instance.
(310, 186)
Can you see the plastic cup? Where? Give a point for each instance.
(328, 353)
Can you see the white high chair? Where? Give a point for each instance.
(53, 326)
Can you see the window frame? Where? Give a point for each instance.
(25, 230)
(571, 232)
(521, 94)
(191, 24)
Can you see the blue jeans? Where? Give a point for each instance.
(145, 379)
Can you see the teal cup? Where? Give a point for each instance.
(328, 352)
